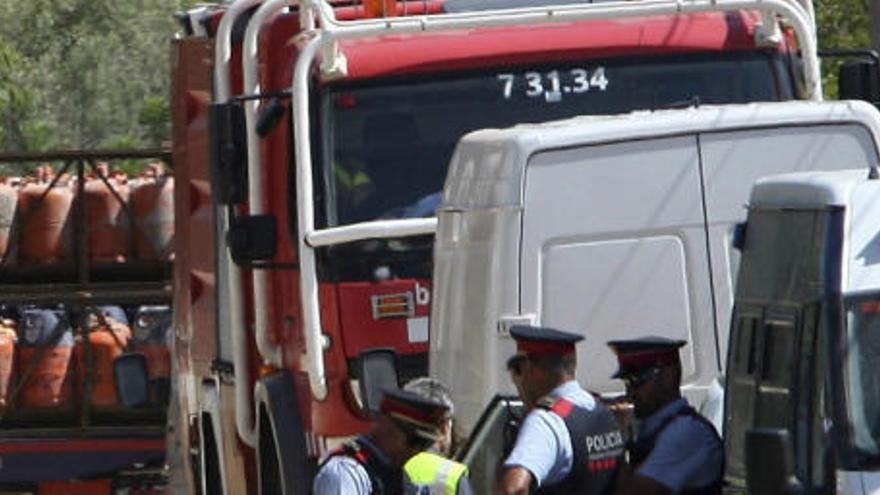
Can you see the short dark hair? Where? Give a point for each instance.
(561, 365)
(514, 363)
(677, 370)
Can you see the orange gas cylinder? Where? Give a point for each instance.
(152, 203)
(106, 216)
(104, 339)
(380, 8)
(45, 231)
(8, 337)
(8, 201)
(152, 338)
(44, 354)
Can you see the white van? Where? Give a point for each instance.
(614, 227)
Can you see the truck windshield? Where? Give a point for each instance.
(388, 144)
(861, 364)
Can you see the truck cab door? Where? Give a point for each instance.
(775, 380)
(760, 382)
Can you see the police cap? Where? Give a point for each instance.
(431, 388)
(634, 355)
(414, 413)
(542, 340)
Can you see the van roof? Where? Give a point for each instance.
(488, 165)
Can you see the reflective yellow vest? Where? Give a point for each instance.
(436, 472)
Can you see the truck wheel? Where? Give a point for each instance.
(211, 478)
(284, 466)
(270, 474)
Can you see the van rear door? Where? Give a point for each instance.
(614, 246)
(620, 249)
(734, 160)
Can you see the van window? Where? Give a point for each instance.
(861, 364)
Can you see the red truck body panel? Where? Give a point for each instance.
(479, 48)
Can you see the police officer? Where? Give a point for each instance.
(431, 471)
(372, 463)
(569, 442)
(514, 368)
(676, 450)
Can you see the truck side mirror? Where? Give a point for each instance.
(769, 463)
(228, 152)
(376, 370)
(132, 379)
(859, 79)
(252, 238)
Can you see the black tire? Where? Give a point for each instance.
(270, 473)
(211, 474)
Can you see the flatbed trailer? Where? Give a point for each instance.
(85, 448)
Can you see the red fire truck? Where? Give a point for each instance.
(311, 144)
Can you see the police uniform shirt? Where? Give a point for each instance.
(543, 445)
(343, 475)
(685, 455)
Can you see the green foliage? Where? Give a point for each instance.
(131, 167)
(85, 73)
(841, 24)
(17, 100)
(154, 117)
(37, 135)
(95, 73)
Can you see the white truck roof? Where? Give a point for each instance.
(485, 158)
(808, 189)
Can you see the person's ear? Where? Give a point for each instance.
(669, 376)
(526, 366)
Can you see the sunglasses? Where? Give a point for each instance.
(636, 380)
